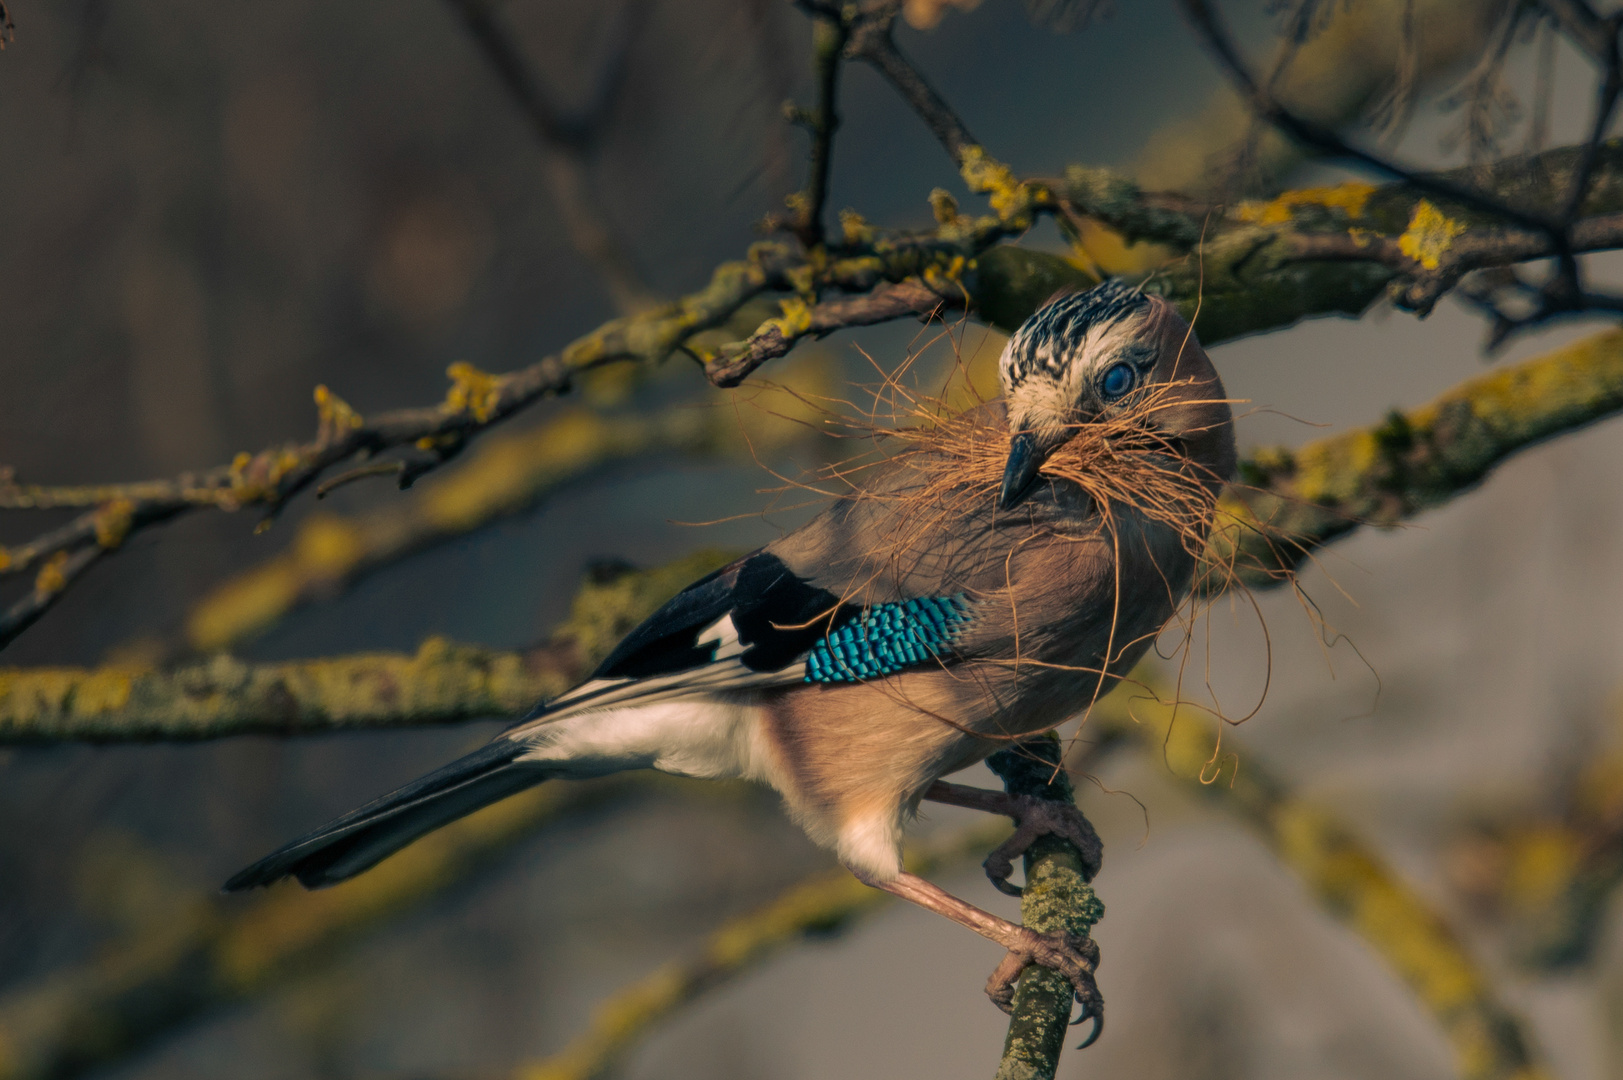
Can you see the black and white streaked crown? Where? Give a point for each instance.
(1046, 342)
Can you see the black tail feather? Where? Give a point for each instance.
(362, 838)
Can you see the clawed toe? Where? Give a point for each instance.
(1093, 1008)
(1041, 817)
(1076, 958)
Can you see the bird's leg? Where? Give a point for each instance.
(1071, 956)
(1032, 818)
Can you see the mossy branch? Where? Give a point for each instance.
(1260, 267)
(1056, 899)
(1293, 502)
(508, 474)
(443, 683)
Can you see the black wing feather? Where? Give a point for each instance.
(777, 615)
(362, 838)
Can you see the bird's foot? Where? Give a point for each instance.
(1074, 957)
(1041, 817)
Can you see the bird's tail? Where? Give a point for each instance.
(362, 838)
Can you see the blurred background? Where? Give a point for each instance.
(206, 210)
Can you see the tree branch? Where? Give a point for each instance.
(507, 475)
(1294, 502)
(777, 336)
(476, 402)
(1056, 899)
(1210, 29)
(441, 684)
(1547, 874)
(1563, 293)
(830, 32)
(569, 140)
(1260, 267)
(871, 42)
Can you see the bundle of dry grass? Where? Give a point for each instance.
(942, 463)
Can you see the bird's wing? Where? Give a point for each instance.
(755, 624)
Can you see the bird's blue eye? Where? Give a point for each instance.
(1117, 381)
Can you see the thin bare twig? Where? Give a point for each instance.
(570, 139)
(1563, 292)
(871, 42)
(1487, 103)
(60, 571)
(1392, 112)
(1317, 137)
(829, 35)
(1538, 130)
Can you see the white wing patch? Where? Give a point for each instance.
(725, 671)
(725, 636)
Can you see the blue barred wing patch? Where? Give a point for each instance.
(888, 638)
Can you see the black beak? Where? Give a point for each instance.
(1021, 472)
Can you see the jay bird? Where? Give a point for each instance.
(850, 678)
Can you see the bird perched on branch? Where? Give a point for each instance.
(986, 582)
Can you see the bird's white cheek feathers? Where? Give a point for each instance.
(706, 738)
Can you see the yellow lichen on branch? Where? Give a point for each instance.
(472, 391)
(1293, 501)
(1429, 236)
(212, 951)
(1349, 198)
(1011, 198)
(442, 683)
(1547, 872)
(507, 473)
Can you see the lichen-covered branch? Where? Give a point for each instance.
(1258, 267)
(1056, 899)
(1292, 502)
(1349, 879)
(507, 474)
(1563, 292)
(829, 34)
(268, 479)
(884, 304)
(826, 901)
(442, 683)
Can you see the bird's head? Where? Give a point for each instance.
(1084, 354)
